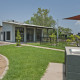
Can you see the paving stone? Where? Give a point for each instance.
(55, 71)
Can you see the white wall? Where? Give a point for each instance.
(7, 27)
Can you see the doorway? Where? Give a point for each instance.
(3, 36)
(38, 34)
(30, 34)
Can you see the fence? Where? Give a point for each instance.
(60, 42)
(47, 40)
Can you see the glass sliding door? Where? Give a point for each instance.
(38, 34)
(30, 34)
(21, 30)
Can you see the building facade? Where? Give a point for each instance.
(28, 32)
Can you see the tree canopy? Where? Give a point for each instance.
(42, 18)
(63, 30)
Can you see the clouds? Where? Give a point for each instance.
(77, 23)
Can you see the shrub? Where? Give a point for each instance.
(53, 36)
(72, 37)
(68, 41)
(18, 38)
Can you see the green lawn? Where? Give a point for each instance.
(59, 46)
(28, 63)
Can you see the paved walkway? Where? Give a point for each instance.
(5, 43)
(3, 65)
(55, 71)
(43, 47)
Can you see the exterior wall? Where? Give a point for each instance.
(13, 33)
(7, 27)
(0, 32)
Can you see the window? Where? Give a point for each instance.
(21, 30)
(8, 35)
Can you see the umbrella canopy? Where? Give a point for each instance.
(74, 17)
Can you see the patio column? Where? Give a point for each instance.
(42, 33)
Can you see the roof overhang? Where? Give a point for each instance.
(28, 25)
(74, 18)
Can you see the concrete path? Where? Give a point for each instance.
(43, 47)
(5, 43)
(3, 65)
(55, 71)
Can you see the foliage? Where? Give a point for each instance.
(18, 38)
(28, 63)
(77, 39)
(72, 37)
(41, 18)
(64, 31)
(53, 36)
(68, 41)
(77, 36)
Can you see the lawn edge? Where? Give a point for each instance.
(6, 68)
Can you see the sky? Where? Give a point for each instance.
(22, 10)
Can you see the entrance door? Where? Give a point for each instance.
(30, 34)
(38, 34)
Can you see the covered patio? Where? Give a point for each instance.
(28, 32)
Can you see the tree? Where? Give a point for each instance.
(77, 39)
(41, 18)
(63, 31)
(72, 37)
(67, 30)
(18, 38)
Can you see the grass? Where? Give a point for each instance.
(28, 63)
(59, 46)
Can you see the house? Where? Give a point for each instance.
(28, 32)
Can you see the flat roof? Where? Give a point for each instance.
(29, 25)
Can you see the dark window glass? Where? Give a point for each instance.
(21, 30)
(30, 34)
(8, 35)
(38, 34)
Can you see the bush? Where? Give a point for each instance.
(53, 36)
(18, 38)
(72, 37)
(68, 41)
